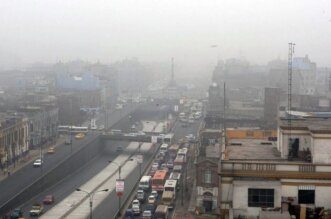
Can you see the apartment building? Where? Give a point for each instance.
(290, 176)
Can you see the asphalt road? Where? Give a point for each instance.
(180, 132)
(28, 174)
(66, 186)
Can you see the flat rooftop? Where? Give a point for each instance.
(252, 149)
(309, 124)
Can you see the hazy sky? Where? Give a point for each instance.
(155, 30)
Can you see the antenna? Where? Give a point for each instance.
(289, 95)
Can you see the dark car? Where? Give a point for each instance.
(129, 214)
(17, 213)
(150, 207)
(49, 199)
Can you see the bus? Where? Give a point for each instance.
(158, 180)
(179, 160)
(172, 151)
(169, 138)
(161, 212)
(164, 148)
(168, 199)
(183, 152)
(170, 185)
(145, 183)
(176, 176)
(78, 129)
(62, 129)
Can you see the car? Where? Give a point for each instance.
(136, 202)
(136, 209)
(151, 199)
(51, 150)
(184, 125)
(80, 136)
(150, 207)
(37, 163)
(49, 199)
(36, 210)
(94, 128)
(129, 214)
(17, 213)
(67, 141)
(190, 138)
(141, 195)
(155, 194)
(170, 164)
(101, 127)
(119, 148)
(147, 214)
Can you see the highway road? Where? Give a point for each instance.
(67, 185)
(26, 175)
(180, 132)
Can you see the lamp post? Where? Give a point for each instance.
(91, 195)
(119, 178)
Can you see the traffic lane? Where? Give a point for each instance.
(68, 185)
(28, 174)
(110, 206)
(181, 132)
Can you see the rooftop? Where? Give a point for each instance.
(251, 149)
(309, 124)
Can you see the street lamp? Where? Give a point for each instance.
(91, 195)
(119, 177)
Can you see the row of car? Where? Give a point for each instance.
(36, 210)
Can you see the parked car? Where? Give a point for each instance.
(37, 163)
(49, 199)
(51, 150)
(17, 213)
(147, 214)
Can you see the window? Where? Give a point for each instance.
(207, 178)
(260, 198)
(306, 195)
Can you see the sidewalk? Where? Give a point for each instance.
(33, 154)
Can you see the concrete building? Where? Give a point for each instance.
(206, 171)
(14, 143)
(257, 174)
(304, 76)
(272, 100)
(43, 121)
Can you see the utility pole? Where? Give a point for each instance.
(289, 96)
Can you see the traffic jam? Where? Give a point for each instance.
(159, 189)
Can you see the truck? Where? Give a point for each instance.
(36, 210)
(168, 199)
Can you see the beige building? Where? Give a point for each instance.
(256, 175)
(13, 139)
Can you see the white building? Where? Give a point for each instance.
(257, 174)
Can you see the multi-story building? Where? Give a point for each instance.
(14, 140)
(292, 174)
(304, 76)
(207, 159)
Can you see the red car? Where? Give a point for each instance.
(49, 199)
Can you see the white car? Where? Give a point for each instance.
(37, 163)
(136, 202)
(147, 214)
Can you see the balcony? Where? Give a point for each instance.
(274, 169)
